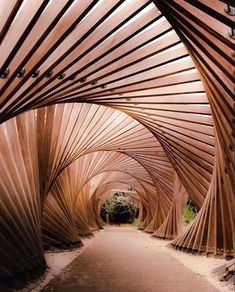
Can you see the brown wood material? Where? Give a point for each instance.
(105, 95)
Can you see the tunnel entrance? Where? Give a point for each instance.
(119, 209)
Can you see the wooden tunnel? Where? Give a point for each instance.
(105, 95)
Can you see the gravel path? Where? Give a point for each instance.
(126, 260)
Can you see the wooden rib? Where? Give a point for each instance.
(172, 225)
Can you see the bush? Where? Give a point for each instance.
(190, 212)
(136, 222)
(120, 209)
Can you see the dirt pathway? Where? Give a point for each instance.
(122, 259)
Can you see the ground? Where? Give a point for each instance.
(126, 259)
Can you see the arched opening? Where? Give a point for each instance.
(119, 209)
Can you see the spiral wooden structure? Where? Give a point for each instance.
(98, 96)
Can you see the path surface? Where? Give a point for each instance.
(122, 259)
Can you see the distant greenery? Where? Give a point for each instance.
(136, 222)
(190, 212)
(120, 209)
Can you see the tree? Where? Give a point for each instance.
(121, 209)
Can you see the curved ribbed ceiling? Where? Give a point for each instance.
(123, 54)
(101, 95)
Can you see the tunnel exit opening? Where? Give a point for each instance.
(119, 209)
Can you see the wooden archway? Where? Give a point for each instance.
(117, 70)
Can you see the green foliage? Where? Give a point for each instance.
(189, 215)
(190, 212)
(120, 208)
(136, 222)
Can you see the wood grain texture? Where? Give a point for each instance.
(97, 96)
(210, 47)
(49, 157)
